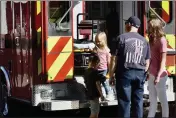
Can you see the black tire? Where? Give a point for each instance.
(3, 95)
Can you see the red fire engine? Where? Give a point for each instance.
(43, 57)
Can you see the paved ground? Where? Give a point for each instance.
(21, 110)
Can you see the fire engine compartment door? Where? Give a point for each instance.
(18, 50)
(59, 57)
(21, 28)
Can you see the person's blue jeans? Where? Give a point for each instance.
(104, 82)
(130, 89)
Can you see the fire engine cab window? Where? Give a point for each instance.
(59, 17)
(163, 9)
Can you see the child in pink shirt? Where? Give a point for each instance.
(103, 52)
(158, 74)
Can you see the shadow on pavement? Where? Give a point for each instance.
(17, 109)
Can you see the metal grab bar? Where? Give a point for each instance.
(157, 15)
(54, 12)
(71, 4)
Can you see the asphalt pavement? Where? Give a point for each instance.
(17, 109)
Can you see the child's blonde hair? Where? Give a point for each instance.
(102, 35)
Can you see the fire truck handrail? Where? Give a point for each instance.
(54, 12)
(71, 4)
(157, 15)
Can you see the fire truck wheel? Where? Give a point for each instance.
(3, 98)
